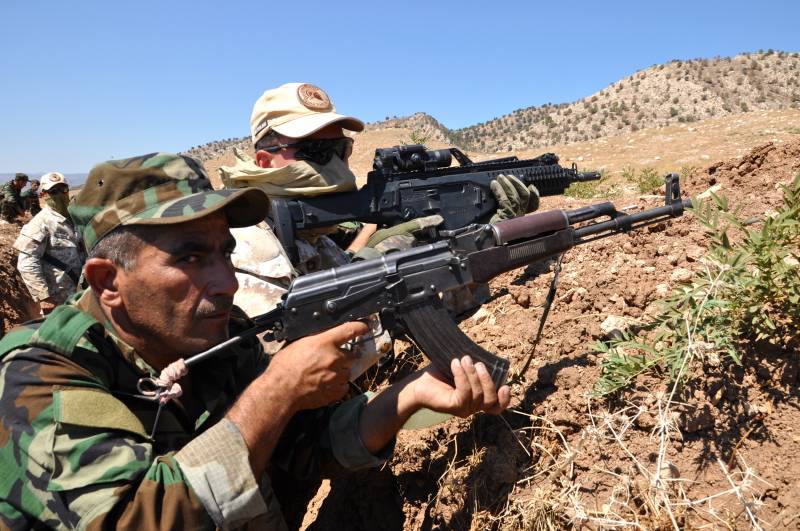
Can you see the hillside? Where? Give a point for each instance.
(659, 96)
(679, 97)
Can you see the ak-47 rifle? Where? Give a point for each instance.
(405, 287)
(408, 182)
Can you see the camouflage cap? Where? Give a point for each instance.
(157, 189)
(21, 177)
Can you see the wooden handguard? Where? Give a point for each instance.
(440, 339)
(529, 226)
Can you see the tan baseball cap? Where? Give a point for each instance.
(296, 110)
(51, 179)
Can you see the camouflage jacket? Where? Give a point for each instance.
(10, 195)
(49, 234)
(30, 200)
(75, 444)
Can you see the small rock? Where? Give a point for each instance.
(662, 290)
(673, 260)
(480, 316)
(681, 275)
(628, 248)
(713, 190)
(523, 299)
(662, 250)
(649, 269)
(694, 253)
(615, 323)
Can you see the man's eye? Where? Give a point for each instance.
(190, 258)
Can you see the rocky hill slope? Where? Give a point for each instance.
(672, 94)
(659, 96)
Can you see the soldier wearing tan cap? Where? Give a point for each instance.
(301, 148)
(50, 255)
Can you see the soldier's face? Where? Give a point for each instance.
(180, 292)
(286, 156)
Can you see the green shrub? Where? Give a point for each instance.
(629, 173)
(749, 291)
(587, 189)
(648, 180)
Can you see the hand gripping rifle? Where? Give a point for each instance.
(405, 287)
(408, 182)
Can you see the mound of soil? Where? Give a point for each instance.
(16, 304)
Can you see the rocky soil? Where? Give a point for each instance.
(562, 458)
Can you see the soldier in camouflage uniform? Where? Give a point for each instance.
(50, 254)
(11, 204)
(30, 198)
(81, 446)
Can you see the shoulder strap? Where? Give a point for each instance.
(58, 264)
(59, 332)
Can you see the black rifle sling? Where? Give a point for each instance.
(551, 295)
(58, 264)
(440, 339)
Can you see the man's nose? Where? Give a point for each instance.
(223, 280)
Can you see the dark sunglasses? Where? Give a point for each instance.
(318, 150)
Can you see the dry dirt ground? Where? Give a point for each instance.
(560, 458)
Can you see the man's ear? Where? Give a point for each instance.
(103, 277)
(264, 159)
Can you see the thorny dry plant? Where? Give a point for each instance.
(651, 494)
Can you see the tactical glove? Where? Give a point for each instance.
(513, 197)
(397, 238)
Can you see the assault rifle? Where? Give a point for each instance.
(408, 182)
(405, 287)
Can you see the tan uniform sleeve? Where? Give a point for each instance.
(32, 244)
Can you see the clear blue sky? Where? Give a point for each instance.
(85, 80)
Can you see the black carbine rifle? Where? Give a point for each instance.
(408, 182)
(405, 287)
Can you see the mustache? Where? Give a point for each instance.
(214, 305)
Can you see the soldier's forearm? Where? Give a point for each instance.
(385, 414)
(261, 413)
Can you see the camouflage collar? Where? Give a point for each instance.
(87, 302)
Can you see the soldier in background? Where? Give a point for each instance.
(50, 256)
(12, 204)
(31, 198)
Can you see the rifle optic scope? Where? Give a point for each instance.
(413, 157)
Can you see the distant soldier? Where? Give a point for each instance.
(30, 198)
(12, 204)
(50, 256)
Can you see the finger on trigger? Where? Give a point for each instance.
(343, 333)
